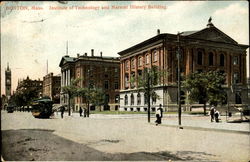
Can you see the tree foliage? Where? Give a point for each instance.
(150, 78)
(206, 87)
(92, 95)
(25, 96)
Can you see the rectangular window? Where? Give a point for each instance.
(236, 77)
(126, 81)
(106, 84)
(147, 59)
(116, 85)
(235, 60)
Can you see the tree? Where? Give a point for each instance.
(71, 90)
(206, 87)
(93, 95)
(147, 81)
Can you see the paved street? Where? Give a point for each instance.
(120, 137)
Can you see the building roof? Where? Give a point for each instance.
(210, 33)
(68, 59)
(186, 33)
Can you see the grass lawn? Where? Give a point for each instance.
(140, 112)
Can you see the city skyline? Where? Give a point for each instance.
(31, 37)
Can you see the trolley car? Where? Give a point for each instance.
(42, 108)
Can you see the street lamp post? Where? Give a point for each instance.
(148, 95)
(179, 79)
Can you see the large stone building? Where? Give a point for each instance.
(95, 71)
(32, 85)
(52, 87)
(8, 82)
(203, 50)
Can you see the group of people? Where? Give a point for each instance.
(215, 114)
(82, 111)
(62, 109)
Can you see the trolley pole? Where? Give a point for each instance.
(179, 79)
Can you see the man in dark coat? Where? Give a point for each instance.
(80, 111)
(62, 111)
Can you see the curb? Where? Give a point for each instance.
(205, 129)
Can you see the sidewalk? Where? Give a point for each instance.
(200, 122)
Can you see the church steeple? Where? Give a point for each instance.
(8, 81)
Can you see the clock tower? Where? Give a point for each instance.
(8, 82)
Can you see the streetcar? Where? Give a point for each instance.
(42, 108)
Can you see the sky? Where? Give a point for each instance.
(30, 37)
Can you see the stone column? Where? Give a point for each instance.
(66, 77)
(69, 77)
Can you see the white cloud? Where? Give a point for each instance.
(109, 31)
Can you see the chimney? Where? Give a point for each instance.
(101, 54)
(158, 32)
(78, 55)
(92, 52)
(85, 54)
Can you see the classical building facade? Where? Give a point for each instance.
(94, 71)
(52, 87)
(8, 82)
(203, 50)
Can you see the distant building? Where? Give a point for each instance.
(8, 82)
(96, 71)
(203, 50)
(52, 87)
(27, 83)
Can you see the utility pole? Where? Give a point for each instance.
(88, 96)
(179, 79)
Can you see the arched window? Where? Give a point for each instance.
(211, 59)
(126, 100)
(117, 98)
(147, 59)
(132, 99)
(199, 59)
(140, 62)
(222, 59)
(155, 55)
(133, 63)
(138, 99)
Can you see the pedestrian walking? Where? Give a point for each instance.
(212, 113)
(62, 111)
(159, 115)
(80, 111)
(216, 116)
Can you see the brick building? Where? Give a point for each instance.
(203, 50)
(52, 87)
(95, 71)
